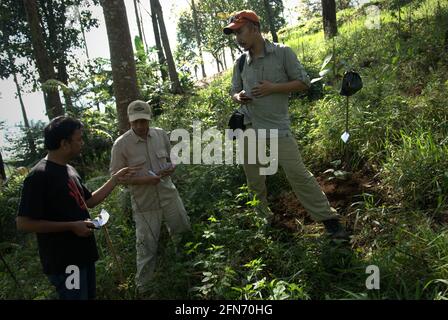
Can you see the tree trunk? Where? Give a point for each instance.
(224, 58)
(270, 15)
(58, 49)
(145, 43)
(217, 64)
(83, 32)
(232, 54)
(198, 37)
(29, 138)
(137, 19)
(122, 59)
(63, 77)
(2, 168)
(44, 64)
(160, 54)
(175, 83)
(329, 17)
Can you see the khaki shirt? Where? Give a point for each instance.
(279, 64)
(130, 150)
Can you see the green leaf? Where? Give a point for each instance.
(54, 85)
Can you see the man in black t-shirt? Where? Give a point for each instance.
(54, 205)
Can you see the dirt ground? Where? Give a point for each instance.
(341, 193)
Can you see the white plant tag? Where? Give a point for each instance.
(345, 136)
(102, 219)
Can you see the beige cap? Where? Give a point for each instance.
(139, 110)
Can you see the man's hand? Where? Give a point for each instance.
(82, 228)
(167, 172)
(263, 88)
(128, 171)
(241, 98)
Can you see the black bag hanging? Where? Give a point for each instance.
(351, 83)
(236, 120)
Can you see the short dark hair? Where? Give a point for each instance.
(60, 128)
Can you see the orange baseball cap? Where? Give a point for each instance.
(239, 19)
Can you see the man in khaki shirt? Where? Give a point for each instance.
(269, 73)
(154, 197)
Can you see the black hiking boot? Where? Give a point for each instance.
(336, 230)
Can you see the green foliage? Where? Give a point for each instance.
(60, 22)
(9, 203)
(398, 127)
(418, 170)
(212, 16)
(22, 155)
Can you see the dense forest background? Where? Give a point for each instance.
(389, 182)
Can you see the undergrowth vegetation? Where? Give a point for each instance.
(398, 145)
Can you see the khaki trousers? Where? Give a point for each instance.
(148, 226)
(302, 181)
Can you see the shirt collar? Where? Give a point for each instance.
(268, 49)
(138, 138)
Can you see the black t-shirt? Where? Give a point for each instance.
(55, 192)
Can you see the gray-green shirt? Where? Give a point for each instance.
(279, 64)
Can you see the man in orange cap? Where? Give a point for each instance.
(261, 84)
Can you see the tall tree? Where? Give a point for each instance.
(81, 25)
(59, 34)
(56, 21)
(26, 123)
(122, 59)
(270, 16)
(198, 37)
(142, 25)
(2, 168)
(44, 63)
(160, 54)
(137, 19)
(175, 83)
(329, 18)
(10, 67)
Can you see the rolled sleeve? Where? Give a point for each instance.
(117, 160)
(294, 68)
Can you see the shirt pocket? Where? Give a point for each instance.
(162, 156)
(274, 72)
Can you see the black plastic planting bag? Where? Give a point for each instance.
(237, 121)
(351, 83)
